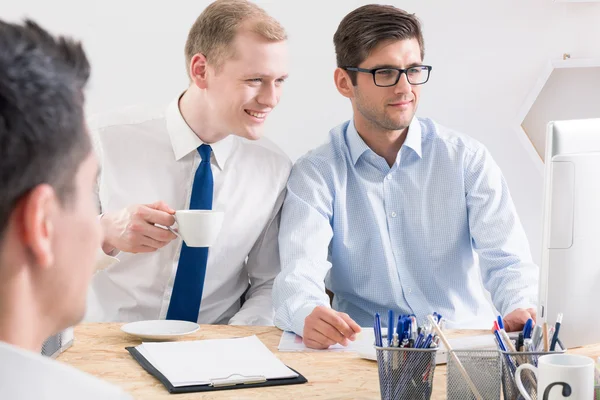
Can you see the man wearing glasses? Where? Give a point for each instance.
(389, 213)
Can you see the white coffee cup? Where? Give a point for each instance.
(559, 376)
(198, 228)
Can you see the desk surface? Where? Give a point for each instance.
(99, 349)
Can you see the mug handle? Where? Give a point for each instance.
(174, 232)
(518, 378)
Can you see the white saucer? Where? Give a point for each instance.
(160, 329)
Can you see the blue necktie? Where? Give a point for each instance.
(189, 279)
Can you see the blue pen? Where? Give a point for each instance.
(419, 340)
(499, 340)
(527, 329)
(399, 327)
(408, 328)
(377, 331)
(427, 341)
(390, 332)
(500, 323)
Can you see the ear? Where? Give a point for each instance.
(37, 210)
(343, 83)
(198, 70)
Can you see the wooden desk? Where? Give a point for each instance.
(99, 349)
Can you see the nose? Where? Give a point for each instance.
(402, 86)
(268, 95)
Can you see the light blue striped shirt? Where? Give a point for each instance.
(403, 237)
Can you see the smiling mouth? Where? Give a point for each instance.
(255, 114)
(400, 103)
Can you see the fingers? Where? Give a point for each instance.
(153, 243)
(325, 327)
(516, 320)
(317, 340)
(161, 206)
(533, 313)
(334, 319)
(351, 323)
(155, 216)
(312, 344)
(331, 333)
(158, 234)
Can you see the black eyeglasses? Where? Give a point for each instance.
(385, 77)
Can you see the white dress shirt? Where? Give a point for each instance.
(25, 375)
(147, 156)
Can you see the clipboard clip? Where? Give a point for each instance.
(237, 379)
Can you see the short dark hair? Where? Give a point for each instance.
(367, 26)
(43, 136)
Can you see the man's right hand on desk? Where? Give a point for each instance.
(132, 229)
(325, 327)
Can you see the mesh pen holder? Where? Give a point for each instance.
(405, 373)
(510, 362)
(484, 367)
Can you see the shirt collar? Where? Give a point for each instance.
(185, 141)
(413, 137)
(358, 146)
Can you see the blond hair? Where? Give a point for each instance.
(215, 29)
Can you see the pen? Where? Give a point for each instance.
(499, 340)
(507, 342)
(427, 342)
(545, 336)
(527, 329)
(377, 329)
(500, 323)
(556, 329)
(419, 340)
(496, 326)
(536, 337)
(520, 342)
(413, 327)
(399, 326)
(390, 332)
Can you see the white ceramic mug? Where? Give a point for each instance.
(198, 228)
(560, 376)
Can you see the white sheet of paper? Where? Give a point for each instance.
(291, 342)
(366, 338)
(201, 361)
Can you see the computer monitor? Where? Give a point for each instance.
(570, 270)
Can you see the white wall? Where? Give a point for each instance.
(486, 56)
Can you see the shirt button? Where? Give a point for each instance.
(393, 214)
(409, 290)
(389, 177)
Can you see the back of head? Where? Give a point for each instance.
(215, 29)
(366, 27)
(42, 129)
(43, 143)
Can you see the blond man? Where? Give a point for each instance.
(201, 152)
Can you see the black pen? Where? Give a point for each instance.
(556, 329)
(520, 342)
